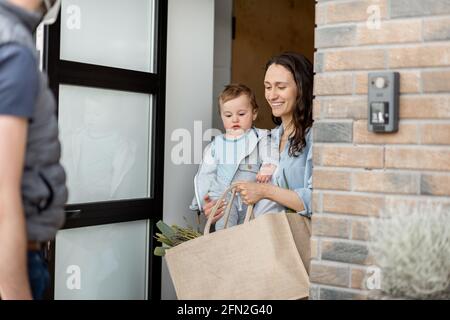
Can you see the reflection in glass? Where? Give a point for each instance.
(105, 143)
(113, 33)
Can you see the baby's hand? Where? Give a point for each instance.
(265, 173)
(267, 169)
(260, 178)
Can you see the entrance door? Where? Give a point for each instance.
(106, 66)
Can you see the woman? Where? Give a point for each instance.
(288, 89)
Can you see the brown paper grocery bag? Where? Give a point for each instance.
(263, 258)
(301, 231)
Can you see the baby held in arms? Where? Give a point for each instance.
(242, 153)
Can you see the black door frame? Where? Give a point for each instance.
(82, 74)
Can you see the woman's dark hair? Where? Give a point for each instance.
(302, 70)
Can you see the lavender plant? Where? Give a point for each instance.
(411, 245)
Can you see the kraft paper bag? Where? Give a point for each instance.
(262, 259)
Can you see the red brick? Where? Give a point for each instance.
(386, 182)
(330, 275)
(390, 32)
(407, 134)
(346, 251)
(418, 8)
(362, 205)
(332, 37)
(320, 14)
(419, 56)
(435, 133)
(436, 29)
(336, 294)
(431, 158)
(333, 131)
(361, 83)
(331, 179)
(427, 205)
(360, 230)
(409, 82)
(317, 155)
(316, 109)
(435, 184)
(350, 156)
(339, 11)
(314, 248)
(317, 201)
(354, 60)
(336, 84)
(330, 227)
(345, 107)
(318, 62)
(424, 107)
(436, 81)
(358, 279)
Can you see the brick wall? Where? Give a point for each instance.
(358, 173)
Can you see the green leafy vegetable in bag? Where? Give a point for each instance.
(172, 236)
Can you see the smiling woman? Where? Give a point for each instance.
(280, 91)
(288, 85)
(288, 90)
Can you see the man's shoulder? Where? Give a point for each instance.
(19, 80)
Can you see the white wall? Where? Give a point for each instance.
(222, 52)
(190, 53)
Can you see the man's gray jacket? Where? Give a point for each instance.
(43, 184)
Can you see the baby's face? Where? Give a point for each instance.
(237, 115)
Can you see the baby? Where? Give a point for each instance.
(242, 153)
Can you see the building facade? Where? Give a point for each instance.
(357, 173)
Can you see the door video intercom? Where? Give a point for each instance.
(383, 108)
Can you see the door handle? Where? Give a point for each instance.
(73, 213)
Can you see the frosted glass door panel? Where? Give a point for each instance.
(113, 33)
(105, 136)
(102, 262)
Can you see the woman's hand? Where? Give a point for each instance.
(209, 205)
(251, 192)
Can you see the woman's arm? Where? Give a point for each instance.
(13, 259)
(298, 199)
(252, 192)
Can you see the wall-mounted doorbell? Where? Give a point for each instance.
(383, 101)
